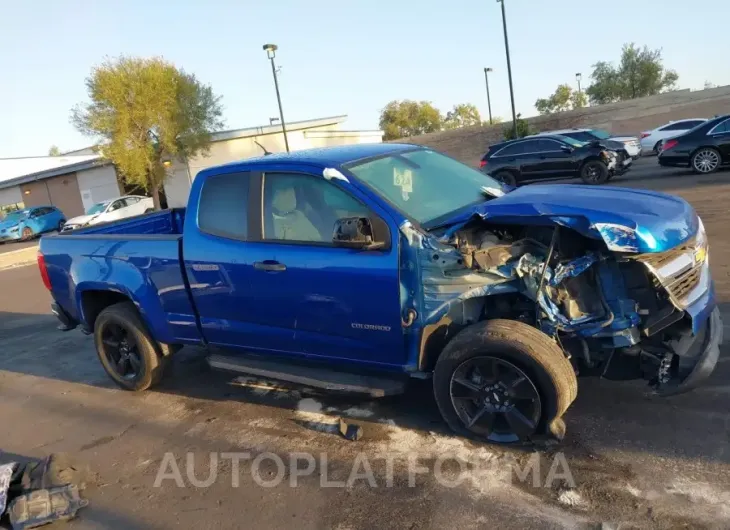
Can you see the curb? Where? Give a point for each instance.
(18, 258)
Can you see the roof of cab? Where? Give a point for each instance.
(324, 156)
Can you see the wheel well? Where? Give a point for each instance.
(435, 336)
(714, 148)
(94, 302)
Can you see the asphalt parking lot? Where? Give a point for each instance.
(637, 461)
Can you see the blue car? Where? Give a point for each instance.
(31, 222)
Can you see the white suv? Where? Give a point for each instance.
(651, 141)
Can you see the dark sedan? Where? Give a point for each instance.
(704, 148)
(550, 157)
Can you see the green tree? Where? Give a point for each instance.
(462, 115)
(564, 98)
(523, 129)
(401, 119)
(146, 112)
(640, 73)
(54, 151)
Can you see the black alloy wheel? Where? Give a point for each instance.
(495, 399)
(121, 351)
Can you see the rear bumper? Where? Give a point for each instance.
(67, 322)
(673, 161)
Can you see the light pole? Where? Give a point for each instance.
(271, 53)
(489, 101)
(579, 76)
(509, 70)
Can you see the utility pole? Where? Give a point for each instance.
(509, 70)
(489, 101)
(271, 53)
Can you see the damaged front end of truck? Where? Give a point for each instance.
(625, 295)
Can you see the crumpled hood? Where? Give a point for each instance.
(627, 220)
(80, 220)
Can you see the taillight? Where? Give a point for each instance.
(669, 144)
(44, 271)
(644, 135)
(482, 163)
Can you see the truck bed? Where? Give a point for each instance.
(138, 259)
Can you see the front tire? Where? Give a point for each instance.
(594, 172)
(125, 348)
(706, 160)
(27, 234)
(504, 381)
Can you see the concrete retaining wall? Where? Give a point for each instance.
(469, 144)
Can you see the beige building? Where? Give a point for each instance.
(239, 144)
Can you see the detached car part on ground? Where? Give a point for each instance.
(501, 295)
(551, 157)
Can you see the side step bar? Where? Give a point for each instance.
(326, 379)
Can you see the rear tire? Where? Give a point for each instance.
(529, 364)
(594, 172)
(507, 177)
(658, 147)
(706, 160)
(125, 348)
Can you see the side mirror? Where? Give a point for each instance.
(566, 149)
(354, 232)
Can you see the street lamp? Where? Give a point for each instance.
(579, 76)
(489, 101)
(271, 53)
(509, 70)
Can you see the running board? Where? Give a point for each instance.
(323, 378)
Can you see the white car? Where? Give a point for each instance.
(111, 210)
(651, 141)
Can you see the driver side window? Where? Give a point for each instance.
(304, 208)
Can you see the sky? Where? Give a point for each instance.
(336, 57)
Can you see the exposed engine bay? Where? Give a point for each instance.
(619, 315)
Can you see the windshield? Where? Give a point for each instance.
(570, 141)
(425, 185)
(97, 208)
(14, 217)
(600, 134)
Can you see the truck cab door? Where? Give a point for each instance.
(265, 275)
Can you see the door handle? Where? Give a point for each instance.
(269, 266)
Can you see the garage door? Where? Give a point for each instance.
(61, 192)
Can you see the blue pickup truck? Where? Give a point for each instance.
(356, 268)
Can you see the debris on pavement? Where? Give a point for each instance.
(350, 431)
(42, 491)
(6, 473)
(39, 507)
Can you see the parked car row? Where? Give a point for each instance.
(651, 141)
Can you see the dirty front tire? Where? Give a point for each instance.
(120, 324)
(594, 172)
(536, 363)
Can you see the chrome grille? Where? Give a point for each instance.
(658, 260)
(683, 284)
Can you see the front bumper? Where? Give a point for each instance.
(10, 236)
(707, 354)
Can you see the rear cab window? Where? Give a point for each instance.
(223, 206)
